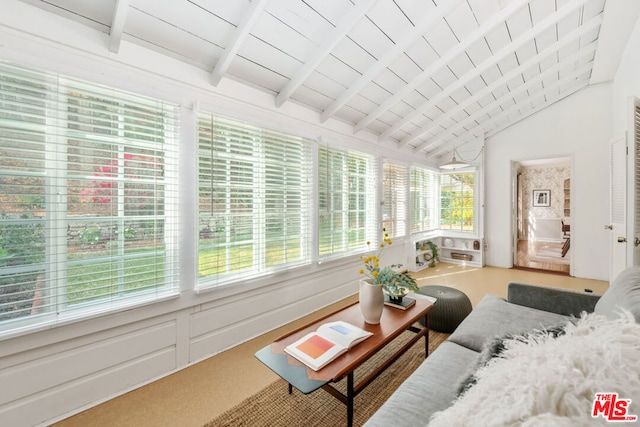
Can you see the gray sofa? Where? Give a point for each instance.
(433, 386)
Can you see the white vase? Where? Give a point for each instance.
(371, 302)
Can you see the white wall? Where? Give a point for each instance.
(578, 127)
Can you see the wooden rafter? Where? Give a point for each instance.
(117, 24)
(548, 94)
(242, 31)
(552, 49)
(521, 40)
(439, 64)
(345, 25)
(378, 67)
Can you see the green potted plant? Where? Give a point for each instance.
(435, 257)
(393, 281)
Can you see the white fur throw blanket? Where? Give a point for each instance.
(541, 380)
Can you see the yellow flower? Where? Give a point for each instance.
(361, 271)
(374, 274)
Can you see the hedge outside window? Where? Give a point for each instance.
(457, 201)
(254, 200)
(88, 195)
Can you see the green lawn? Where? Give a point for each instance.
(98, 273)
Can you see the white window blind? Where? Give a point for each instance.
(254, 200)
(424, 200)
(87, 198)
(457, 201)
(394, 209)
(347, 211)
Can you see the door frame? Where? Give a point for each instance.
(515, 213)
(633, 251)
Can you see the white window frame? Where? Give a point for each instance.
(261, 156)
(423, 183)
(336, 241)
(474, 203)
(50, 302)
(395, 199)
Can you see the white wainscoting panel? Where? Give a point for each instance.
(85, 372)
(219, 325)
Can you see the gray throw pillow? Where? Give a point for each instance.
(623, 293)
(496, 346)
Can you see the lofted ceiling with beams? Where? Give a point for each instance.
(424, 75)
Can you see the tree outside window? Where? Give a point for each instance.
(457, 201)
(87, 178)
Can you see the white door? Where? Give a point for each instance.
(635, 232)
(618, 192)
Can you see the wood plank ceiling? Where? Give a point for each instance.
(431, 75)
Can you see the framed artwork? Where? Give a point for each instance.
(541, 198)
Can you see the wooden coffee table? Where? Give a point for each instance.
(393, 323)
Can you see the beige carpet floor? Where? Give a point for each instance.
(275, 407)
(198, 393)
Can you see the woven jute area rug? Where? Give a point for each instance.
(274, 406)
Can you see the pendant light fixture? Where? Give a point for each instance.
(454, 163)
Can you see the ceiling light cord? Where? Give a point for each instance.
(470, 161)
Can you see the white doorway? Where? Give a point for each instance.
(542, 211)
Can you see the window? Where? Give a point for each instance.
(87, 198)
(347, 207)
(457, 201)
(254, 200)
(394, 209)
(424, 200)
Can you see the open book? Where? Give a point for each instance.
(328, 342)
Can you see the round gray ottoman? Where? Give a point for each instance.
(450, 309)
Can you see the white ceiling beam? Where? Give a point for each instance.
(472, 38)
(553, 98)
(524, 38)
(243, 29)
(343, 28)
(619, 19)
(485, 127)
(550, 50)
(549, 93)
(383, 62)
(117, 25)
(513, 94)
